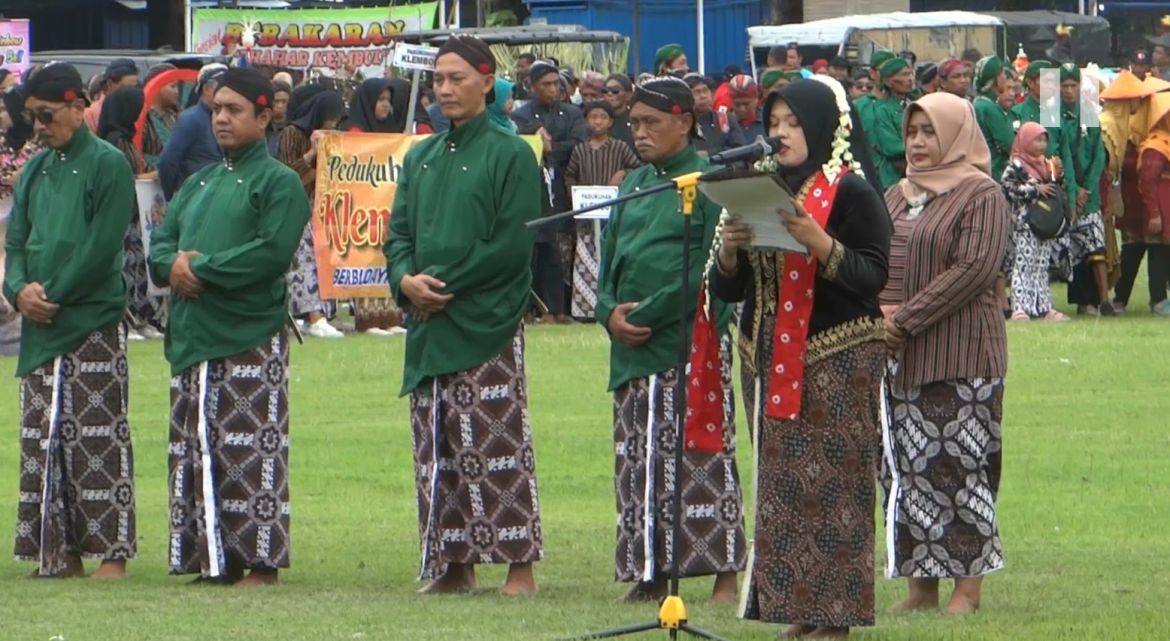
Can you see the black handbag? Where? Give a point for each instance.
(1048, 217)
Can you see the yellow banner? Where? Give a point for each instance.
(357, 177)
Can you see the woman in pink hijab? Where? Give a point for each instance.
(1030, 176)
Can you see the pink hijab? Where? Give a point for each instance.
(1035, 165)
(963, 151)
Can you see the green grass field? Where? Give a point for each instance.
(1084, 509)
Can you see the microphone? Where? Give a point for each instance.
(760, 148)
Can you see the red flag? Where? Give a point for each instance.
(704, 419)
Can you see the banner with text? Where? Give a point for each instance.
(14, 47)
(357, 177)
(360, 39)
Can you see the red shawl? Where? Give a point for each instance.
(704, 421)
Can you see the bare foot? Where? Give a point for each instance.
(73, 569)
(521, 580)
(796, 631)
(111, 570)
(828, 633)
(458, 579)
(917, 603)
(725, 589)
(642, 592)
(259, 578)
(962, 605)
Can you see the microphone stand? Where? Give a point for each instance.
(672, 613)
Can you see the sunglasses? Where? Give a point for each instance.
(864, 85)
(612, 90)
(45, 116)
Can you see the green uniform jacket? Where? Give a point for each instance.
(70, 211)
(641, 262)
(888, 143)
(459, 213)
(998, 131)
(1081, 147)
(1029, 111)
(245, 216)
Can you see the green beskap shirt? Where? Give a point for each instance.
(641, 262)
(1081, 147)
(996, 125)
(887, 140)
(245, 216)
(1029, 111)
(459, 213)
(70, 211)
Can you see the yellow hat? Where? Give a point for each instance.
(1159, 107)
(1127, 87)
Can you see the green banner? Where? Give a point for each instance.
(328, 40)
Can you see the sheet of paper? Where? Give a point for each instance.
(755, 200)
(588, 196)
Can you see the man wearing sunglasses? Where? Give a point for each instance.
(63, 271)
(618, 88)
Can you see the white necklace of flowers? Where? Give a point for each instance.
(839, 157)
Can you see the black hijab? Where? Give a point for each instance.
(400, 104)
(300, 96)
(21, 131)
(313, 113)
(815, 106)
(119, 118)
(361, 108)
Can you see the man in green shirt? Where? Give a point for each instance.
(1029, 110)
(885, 121)
(1082, 152)
(638, 300)
(865, 103)
(458, 256)
(63, 273)
(996, 124)
(224, 249)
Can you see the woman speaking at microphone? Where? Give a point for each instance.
(813, 336)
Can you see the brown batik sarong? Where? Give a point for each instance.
(76, 459)
(712, 540)
(477, 499)
(586, 269)
(945, 440)
(229, 463)
(813, 558)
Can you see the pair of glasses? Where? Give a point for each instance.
(612, 90)
(864, 85)
(44, 115)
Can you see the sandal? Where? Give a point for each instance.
(1056, 317)
(1019, 315)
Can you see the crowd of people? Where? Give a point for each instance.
(875, 358)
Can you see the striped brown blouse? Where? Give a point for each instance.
(589, 165)
(943, 266)
(291, 150)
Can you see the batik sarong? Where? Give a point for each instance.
(812, 557)
(76, 459)
(474, 466)
(586, 270)
(945, 441)
(304, 285)
(228, 463)
(1030, 274)
(1085, 238)
(713, 539)
(142, 308)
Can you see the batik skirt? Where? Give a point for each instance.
(76, 458)
(1030, 273)
(587, 269)
(142, 308)
(229, 499)
(944, 440)
(304, 285)
(1086, 238)
(713, 539)
(475, 469)
(812, 555)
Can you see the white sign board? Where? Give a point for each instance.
(589, 196)
(415, 57)
(152, 208)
